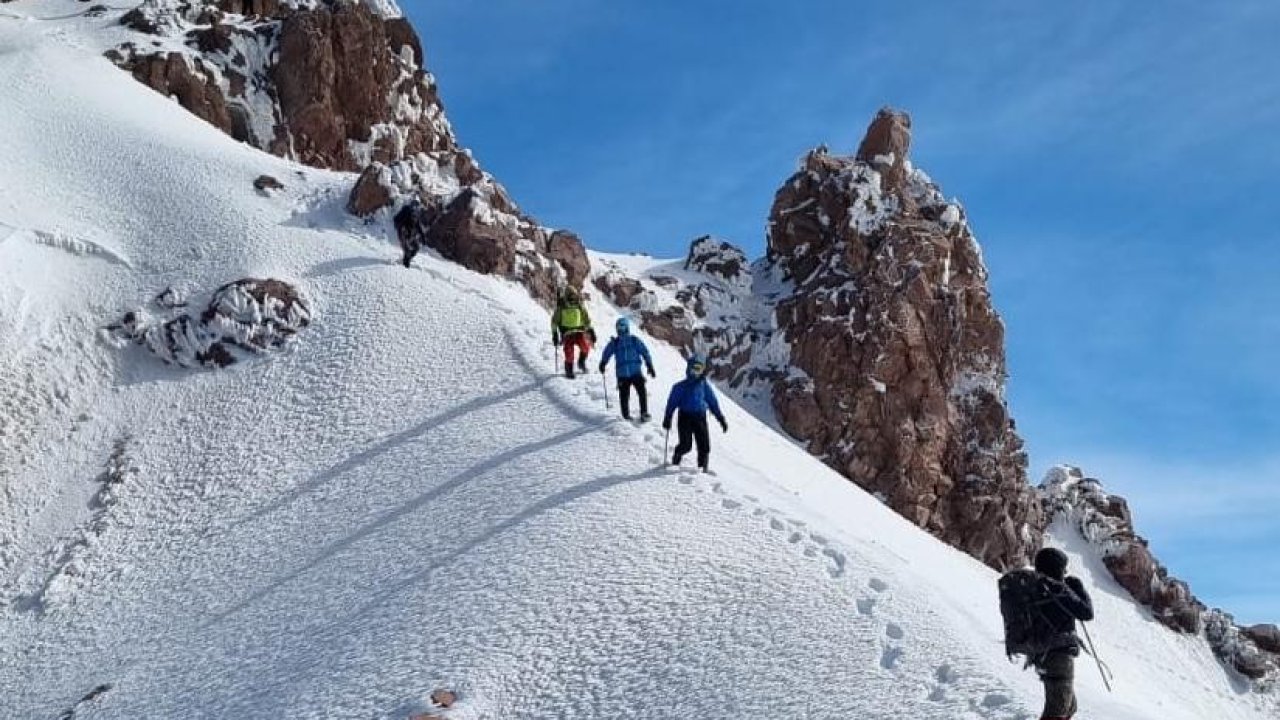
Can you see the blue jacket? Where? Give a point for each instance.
(631, 353)
(690, 396)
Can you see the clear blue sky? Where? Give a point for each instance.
(1120, 163)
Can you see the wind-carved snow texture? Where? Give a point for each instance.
(69, 558)
(247, 316)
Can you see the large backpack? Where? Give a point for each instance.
(1027, 630)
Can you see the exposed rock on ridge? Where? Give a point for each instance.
(869, 332)
(1105, 521)
(902, 354)
(340, 84)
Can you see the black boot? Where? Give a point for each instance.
(568, 370)
(582, 364)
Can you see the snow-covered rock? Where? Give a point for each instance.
(1106, 523)
(247, 316)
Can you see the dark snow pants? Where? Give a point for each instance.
(1058, 673)
(692, 427)
(624, 394)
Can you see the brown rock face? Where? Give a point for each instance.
(370, 193)
(903, 354)
(333, 84)
(191, 83)
(886, 144)
(335, 72)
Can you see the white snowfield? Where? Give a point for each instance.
(408, 498)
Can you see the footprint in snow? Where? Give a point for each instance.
(878, 585)
(894, 631)
(729, 504)
(838, 559)
(995, 700)
(889, 659)
(866, 606)
(776, 524)
(717, 489)
(820, 539)
(795, 538)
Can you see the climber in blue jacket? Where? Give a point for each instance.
(632, 353)
(693, 396)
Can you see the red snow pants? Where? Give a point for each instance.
(577, 340)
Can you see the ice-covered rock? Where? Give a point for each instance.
(242, 318)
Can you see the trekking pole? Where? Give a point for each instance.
(1094, 652)
(666, 441)
(604, 383)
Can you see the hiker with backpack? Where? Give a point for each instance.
(631, 352)
(412, 223)
(571, 325)
(1040, 608)
(693, 396)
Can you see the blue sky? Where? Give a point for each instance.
(1120, 163)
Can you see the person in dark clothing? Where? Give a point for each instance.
(412, 223)
(1069, 603)
(631, 352)
(693, 396)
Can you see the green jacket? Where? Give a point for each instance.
(570, 318)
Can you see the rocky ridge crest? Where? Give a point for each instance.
(342, 85)
(1104, 520)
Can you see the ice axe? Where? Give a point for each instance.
(1103, 670)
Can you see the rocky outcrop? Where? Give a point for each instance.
(188, 80)
(242, 318)
(340, 84)
(869, 333)
(1106, 522)
(1266, 637)
(899, 350)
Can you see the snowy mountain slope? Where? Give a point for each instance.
(407, 498)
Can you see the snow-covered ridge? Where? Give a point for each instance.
(409, 498)
(1105, 522)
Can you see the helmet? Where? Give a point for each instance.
(1052, 562)
(623, 326)
(696, 367)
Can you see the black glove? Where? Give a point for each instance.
(601, 368)
(666, 423)
(724, 425)
(1075, 584)
(591, 333)
(555, 338)
(652, 374)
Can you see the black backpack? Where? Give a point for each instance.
(1027, 630)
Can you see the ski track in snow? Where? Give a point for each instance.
(409, 497)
